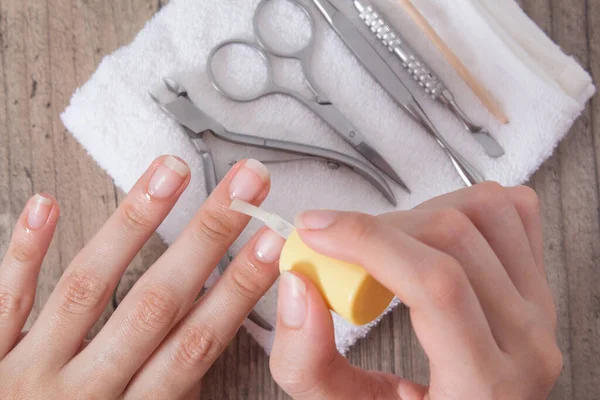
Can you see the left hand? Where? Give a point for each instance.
(159, 343)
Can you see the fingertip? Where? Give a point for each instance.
(40, 211)
(302, 311)
(293, 301)
(259, 168)
(166, 178)
(55, 211)
(249, 180)
(268, 246)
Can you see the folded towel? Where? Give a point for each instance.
(541, 89)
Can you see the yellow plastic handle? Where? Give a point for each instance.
(347, 288)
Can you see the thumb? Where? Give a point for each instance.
(305, 362)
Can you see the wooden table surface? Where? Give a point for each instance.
(50, 47)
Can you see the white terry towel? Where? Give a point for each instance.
(541, 89)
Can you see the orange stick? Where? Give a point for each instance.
(487, 100)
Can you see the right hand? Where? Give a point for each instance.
(468, 265)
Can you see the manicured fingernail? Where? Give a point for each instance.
(316, 220)
(293, 304)
(249, 181)
(39, 211)
(167, 178)
(268, 247)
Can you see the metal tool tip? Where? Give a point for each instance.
(359, 6)
(172, 85)
(396, 178)
(154, 98)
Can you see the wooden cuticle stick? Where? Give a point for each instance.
(483, 95)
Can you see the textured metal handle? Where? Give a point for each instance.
(417, 68)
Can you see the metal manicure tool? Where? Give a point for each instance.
(196, 123)
(389, 81)
(320, 105)
(423, 74)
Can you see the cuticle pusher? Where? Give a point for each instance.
(423, 74)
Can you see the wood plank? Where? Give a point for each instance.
(6, 214)
(593, 39)
(17, 106)
(581, 216)
(547, 184)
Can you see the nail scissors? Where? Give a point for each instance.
(320, 105)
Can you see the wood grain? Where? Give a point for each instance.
(51, 47)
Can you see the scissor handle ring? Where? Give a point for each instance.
(264, 43)
(269, 84)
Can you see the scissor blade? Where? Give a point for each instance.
(489, 144)
(334, 118)
(366, 54)
(377, 159)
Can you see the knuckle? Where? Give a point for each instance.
(11, 303)
(527, 200)
(444, 281)
(136, 216)
(489, 197)
(292, 379)
(24, 252)
(361, 227)
(83, 291)
(547, 355)
(297, 379)
(552, 365)
(198, 345)
(245, 282)
(156, 310)
(449, 228)
(215, 226)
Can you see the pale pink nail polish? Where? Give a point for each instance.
(39, 211)
(249, 181)
(293, 305)
(268, 247)
(316, 220)
(167, 178)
